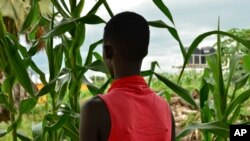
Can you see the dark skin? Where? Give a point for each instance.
(95, 119)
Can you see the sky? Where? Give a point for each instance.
(191, 17)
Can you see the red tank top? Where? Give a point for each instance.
(136, 112)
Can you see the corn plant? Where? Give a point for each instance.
(219, 110)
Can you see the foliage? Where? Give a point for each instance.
(218, 106)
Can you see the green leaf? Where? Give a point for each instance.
(241, 82)
(218, 128)
(58, 124)
(185, 94)
(212, 61)
(60, 8)
(71, 131)
(164, 9)
(235, 114)
(237, 101)
(96, 7)
(246, 62)
(18, 66)
(50, 86)
(97, 65)
(60, 29)
(90, 19)
(201, 37)
(77, 11)
(22, 136)
(27, 104)
(152, 68)
(8, 84)
(204, 91)
(32, 16)
(4, 102)
(68, 24)
(146, 73)
(108, 9)
(234, 61)
(173, 32)
(79, 34)
(103, 87)
(2, 27)
(90, 52)
(97, 56)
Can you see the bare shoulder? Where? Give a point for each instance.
(95, 120)
(94, 106)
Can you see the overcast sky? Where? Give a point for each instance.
(192, 18)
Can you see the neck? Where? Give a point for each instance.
(127, 70)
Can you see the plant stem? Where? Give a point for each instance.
(12, 116)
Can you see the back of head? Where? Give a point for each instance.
(128, 34)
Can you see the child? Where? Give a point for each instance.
(130, 111)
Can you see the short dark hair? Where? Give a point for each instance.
(129, 33)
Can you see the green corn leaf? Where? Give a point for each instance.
(32, 16)
(235, 114)
(201, 37)
(146, 73)
(58, 53)
(65, 6)
(212, 61)
(77, 11)
(18, 67)
(173, 32)
(103, 87)
(241, 82)
(22, 136)
(91, 87)
(97, 56)
(90, 52)
(58, 124)
(218, 128)
(96, 7)
(97, 65)
(50, 86)
(80, 34)
(4, 102)
(185, 94)
(90, 19)
(71, 131)
(108, 9)
(27, 104)
(153, 65)
(164, 9)
(60, 29)
(69, 24)
(2, 27)
(234, 61)
(8, 84)
(246, 62)
(39, 72)
(237, 101)
(60, 8)
(204, 91)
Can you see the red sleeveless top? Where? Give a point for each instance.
(136, 112)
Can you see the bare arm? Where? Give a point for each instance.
(95, 121)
